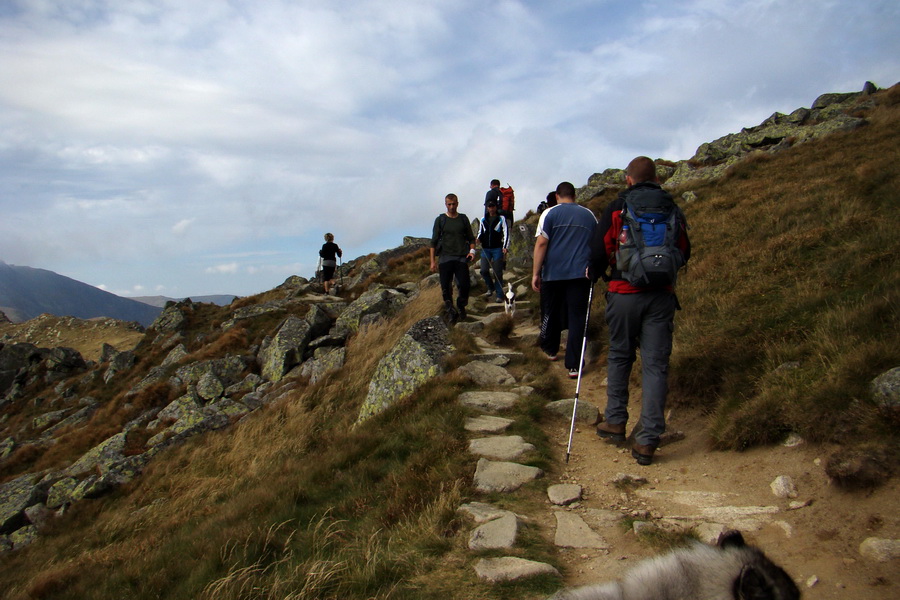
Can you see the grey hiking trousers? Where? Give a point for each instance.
(644, 320)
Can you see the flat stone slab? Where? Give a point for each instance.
(481, 512)
(564, 493)
(586, 412)
(880, 549)
(573, 532)
(601, 517)
(507, 447)
(511, 568)
(489, 401)
(486, 374)
(499, 533)
(487, 424)
(493, 476)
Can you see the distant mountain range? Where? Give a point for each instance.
(26, 292)
(160, 301)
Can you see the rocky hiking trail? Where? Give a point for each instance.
(779, 497)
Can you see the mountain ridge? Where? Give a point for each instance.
(27, 292)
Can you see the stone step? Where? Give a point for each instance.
(507, 447)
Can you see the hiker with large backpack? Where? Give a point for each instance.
(505, 198)
(642, 237)
(452, 249)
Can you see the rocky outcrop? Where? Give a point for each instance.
(416, 358)
(829, 113)
(285, 351)
(374, 303)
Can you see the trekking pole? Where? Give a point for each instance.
(341, 268)
(580, 369)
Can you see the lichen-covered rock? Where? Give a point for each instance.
(285, 350)
(254, 311)
(174, 355)
(416, 358)
(379, 301)
(325, 361)
(189, 404)
(886, 389)
(15, 497)
(319, 320)
(61, 492)
(100, 457)
(210, 387)
(23, 537)
(6, 447)
(208, 418)
(228, 370)
(118, 363)
(173, 317)
(62, 362)
(47, 419)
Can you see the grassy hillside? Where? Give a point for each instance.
(794, 262)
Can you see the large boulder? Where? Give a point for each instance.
(15, 497)
(417, 357)
(283, 352)
(381, 301)
(325, 361)
(228, 371)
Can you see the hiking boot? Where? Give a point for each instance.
(573, 373)
(452, 315)
(643, 454)
(462, 313)
(612, 431)
(552, 357)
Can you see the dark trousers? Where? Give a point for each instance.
(644, 320)
(459, 270)
(565, 307)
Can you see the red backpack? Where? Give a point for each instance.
(507, 199)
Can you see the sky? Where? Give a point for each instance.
(177, 148)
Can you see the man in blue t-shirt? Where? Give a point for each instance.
(561, 256)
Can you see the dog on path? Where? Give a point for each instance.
(510, 301)
(731, 570)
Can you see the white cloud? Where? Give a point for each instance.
(181, 227)
(228, 268)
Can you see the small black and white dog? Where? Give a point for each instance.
(732, 570)
(510, 301)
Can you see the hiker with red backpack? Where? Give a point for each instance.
(642, 237)
(505, 198)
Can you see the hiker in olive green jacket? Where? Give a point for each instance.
(452, 249)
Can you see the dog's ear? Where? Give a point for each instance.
(731, 539)
(765, 581)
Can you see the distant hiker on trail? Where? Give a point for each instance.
(493, 235)
(640, 302)
(328, 255)
(548, 203)
(493, 195)
(453, 241)
(561, 257)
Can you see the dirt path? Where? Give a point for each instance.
(689, 483)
